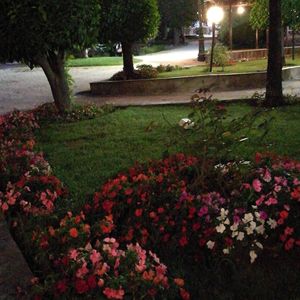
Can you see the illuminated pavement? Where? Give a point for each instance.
(22, 88)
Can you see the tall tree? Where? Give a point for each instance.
(128, 21)
(201, 18)
(274, 96)
(40, 32)
(178, 14)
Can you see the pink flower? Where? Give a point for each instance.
(95, 257)
(82, 271)
(73, 254)
(288, 231)
(114, 294)
(289, 244)
(260, 200)
(203, 211)
(257, 186)
(271, 201)
(263, 215)
(4, 207)
(267, 176)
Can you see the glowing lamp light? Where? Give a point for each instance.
(240, 10)
(215, 14)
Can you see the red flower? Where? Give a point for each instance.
(91, 281)
(283, 214)
(160, 210)
(81, 286)
(138, 212)
(61, 286)
(128, 191)
(183, 241)
(107, 205)
(73, 233)
(295, 194)
(289, 244)
(184, 294)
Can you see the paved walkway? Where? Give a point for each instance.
(291, 87)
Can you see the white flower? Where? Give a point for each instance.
(227, 222)
(221, 228)
(253, 256)
(226, 251)
(248, 218)
(272, 223)
(210, 244)
(240, 236)
(249, 230)
(259, 245)
(234, 234)
(260, 229)
(186, 123)
(234, 227)
(252, 225)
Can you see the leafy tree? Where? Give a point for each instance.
(128, 21)
(243, 36)
(177, 14)
(40, 32)
(259, 16)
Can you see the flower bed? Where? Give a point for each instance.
(107, 250)
(71, 257)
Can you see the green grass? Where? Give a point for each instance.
(97, 61)
(152, 49)
(87, 153)
(239, 67)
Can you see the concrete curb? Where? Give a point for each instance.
(14, 270)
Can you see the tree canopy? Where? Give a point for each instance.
(40, 32)
(259, 16)
(128, 21)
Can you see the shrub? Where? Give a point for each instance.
(221, 56)
(142, 72)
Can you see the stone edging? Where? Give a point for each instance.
(14, 271)
(165, 86)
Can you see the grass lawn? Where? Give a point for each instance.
(87, 153)
(97, 61)
(152, 49)
(239, 67)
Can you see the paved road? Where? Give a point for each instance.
(23, 88)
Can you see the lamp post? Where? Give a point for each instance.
(215, 15)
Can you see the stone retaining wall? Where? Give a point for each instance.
(165, 86)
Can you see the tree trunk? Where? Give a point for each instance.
(176, 36)
(54, 68)
(282, 47)
(293, 44)
(230, 25)
(201, 51)
(128, 60)
(274, 96)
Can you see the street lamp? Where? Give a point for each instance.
(215, 15)
(241, 9)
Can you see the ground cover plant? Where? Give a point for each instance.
(96, 61)
(238, 67)
(233, 233)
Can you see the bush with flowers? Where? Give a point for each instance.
(73, 257)
(231, 218)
